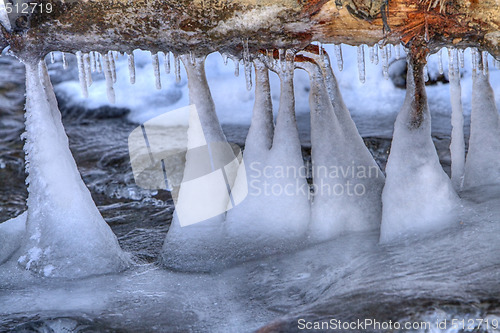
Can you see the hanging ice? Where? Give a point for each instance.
(108, 75)
(156, 68)
(338, 54)
(361, 64)
(82, 74)
(440, 62)
(177, 65)
(166, 60)
(418, 195)
(112, 65)
(131, 67)
(65, 233)
(347, 181)
(482, 166)
(65, 62)
(195, 247)
(276, 210)
(11, 236)
(457, 147)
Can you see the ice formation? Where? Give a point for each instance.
(347, 181)
(198, 244)
(11, 236)
(482, 166)
(65, 233)
(418, 196)
(457, 147)
(276, 210)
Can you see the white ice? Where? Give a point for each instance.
(482, 166)
(418, 196)
(347, 180)
(65, 233)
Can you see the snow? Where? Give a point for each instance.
(418, 196)
(65, 233)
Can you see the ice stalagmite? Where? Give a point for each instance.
(285, 188)
(347, 181)
(482, 166)
(418, 195)
(457, 147)
(248, 221)
(65, 233)
(195, 246)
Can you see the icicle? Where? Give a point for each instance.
(52, 58)
(482, 166)
(440, 62)
(65, 234)
(335, 141)
(461, 57)
(416, 185)
(485, 63)
(375, 54)
(457, 146)
(88, 72)
(385, 62)
(108, 74)
(340, 58)
(281, 58)
(156, 68)
(177, 68)
(192, 57)
(99, 64)
(247, 64)
(166, 61)
(270, 54)
(248, 75)
(112, 65)
(476, 60)
(426, 74)
(236, 62)
(320, 46)
(131, 67)
(361, 63)
(93, 62)
(398, 51)
(388, 51)
(65, 61)
(116, 54)
(225, 58)
(82, 74)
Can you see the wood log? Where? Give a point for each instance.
(204, 26)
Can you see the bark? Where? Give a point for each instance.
(204, 26)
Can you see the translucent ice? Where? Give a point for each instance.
(418, 195)
(482, 166)
(347, 181)
(65, 233)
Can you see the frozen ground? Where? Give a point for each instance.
(453, 274)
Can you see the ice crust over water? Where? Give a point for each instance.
(65, 233)
(418, 195)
